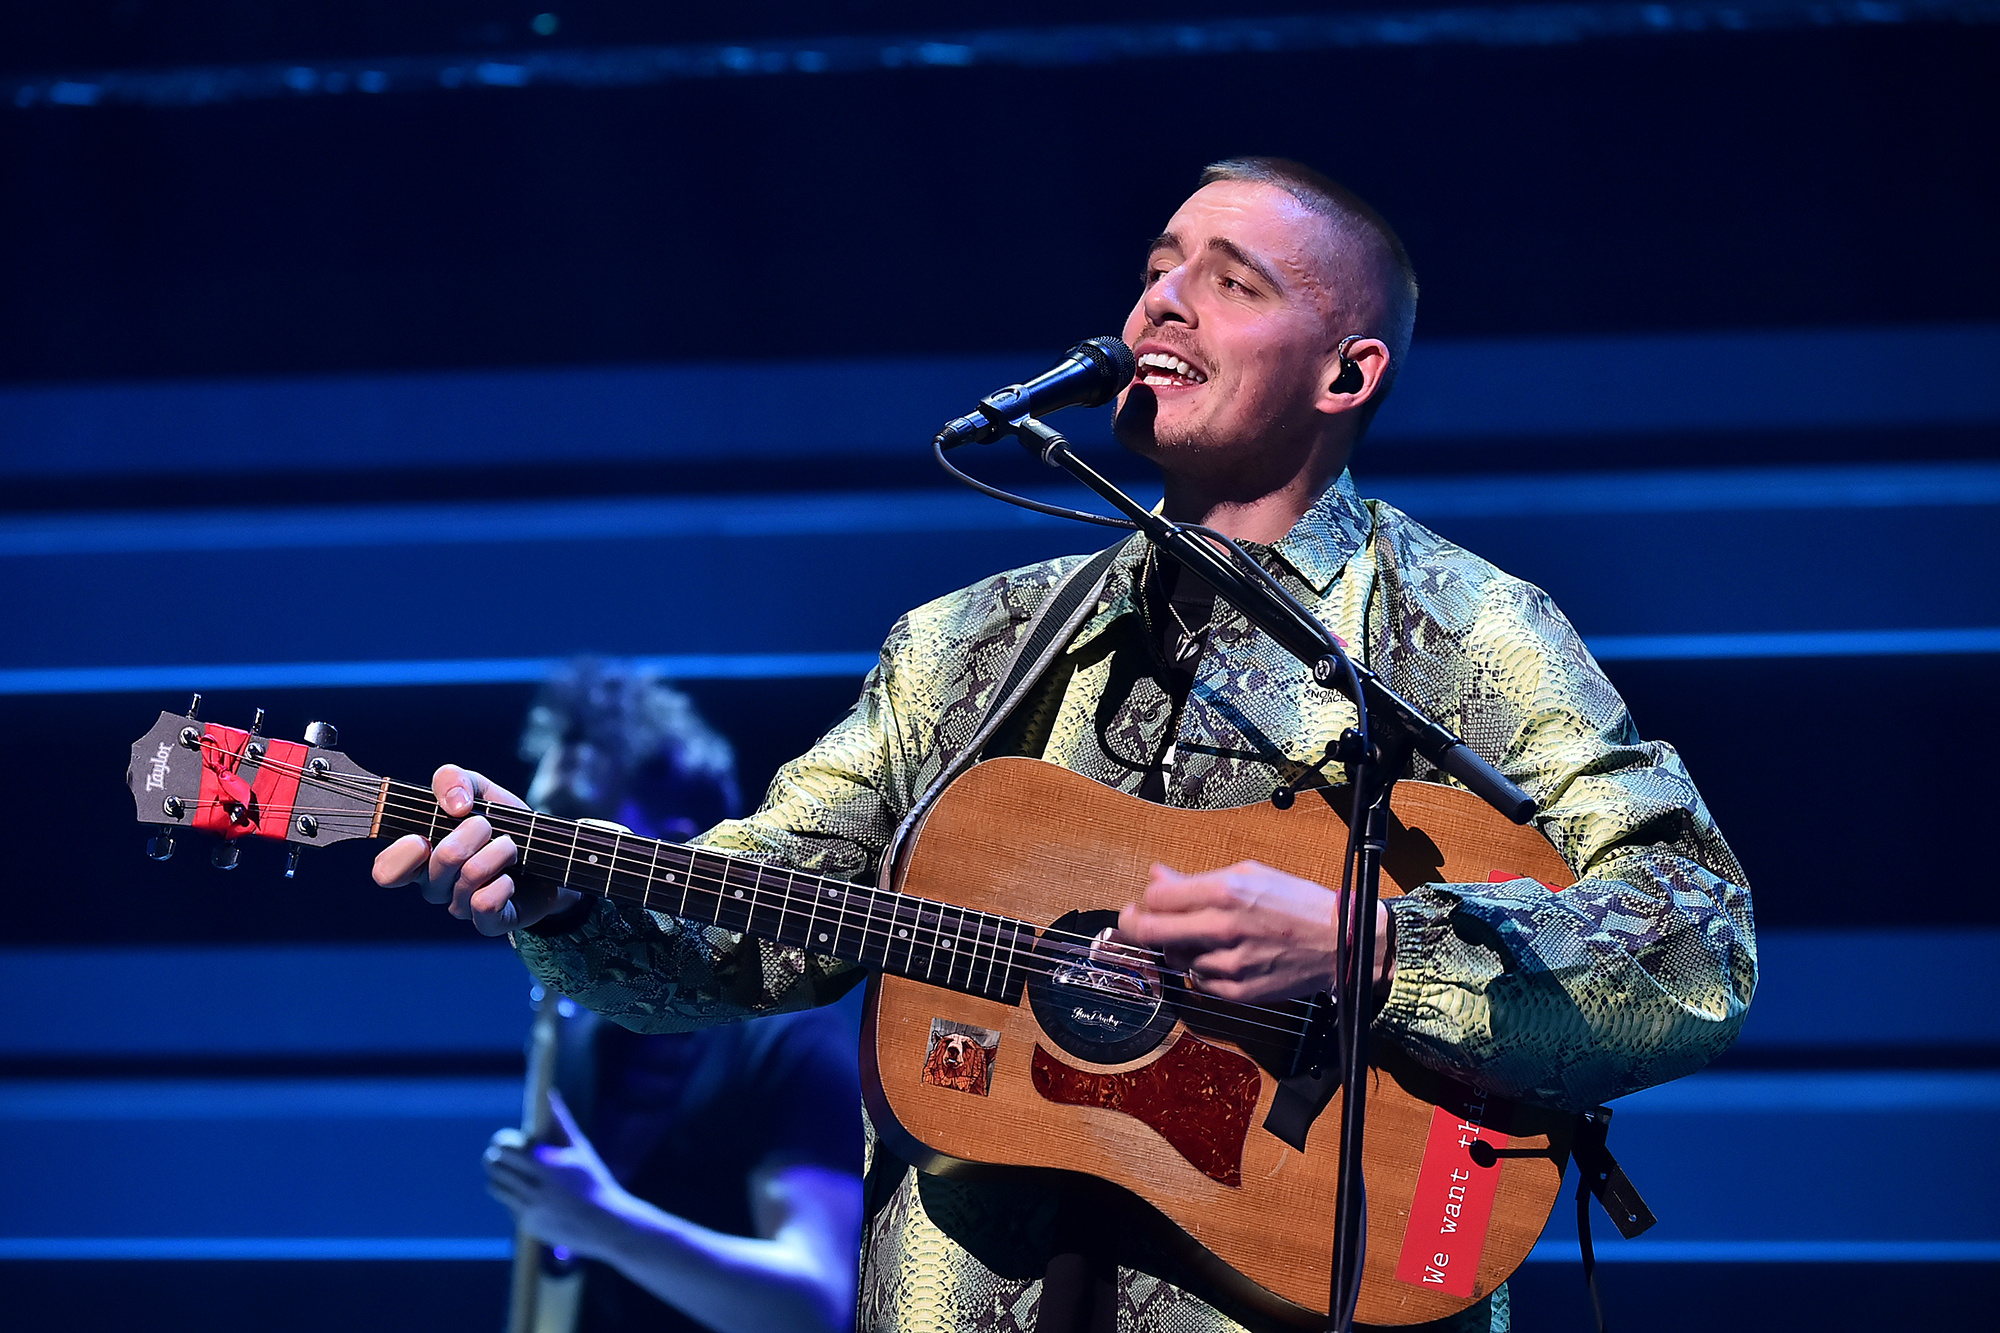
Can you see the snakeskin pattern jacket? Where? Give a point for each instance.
(1640, 972)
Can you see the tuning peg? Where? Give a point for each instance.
(257, 723)
(194, 708)
(161, 845)
(322, 735)
(292, 861)
(225, 856)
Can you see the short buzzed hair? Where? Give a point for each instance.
(1373, 277)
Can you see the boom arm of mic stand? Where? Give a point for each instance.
(1278, 614)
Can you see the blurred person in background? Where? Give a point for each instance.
(707, 1179)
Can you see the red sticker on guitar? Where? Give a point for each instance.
(1454, 1198)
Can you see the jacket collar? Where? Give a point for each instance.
(1317, 548)
(1327, 535)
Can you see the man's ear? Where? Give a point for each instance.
(1353, 374)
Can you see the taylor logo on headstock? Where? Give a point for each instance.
(156, 780)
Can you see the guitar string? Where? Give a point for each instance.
(1028, 962)
(416, 800)
(873, 932)
(419, 802)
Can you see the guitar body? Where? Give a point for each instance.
(1003, 1035)
(961, 1085)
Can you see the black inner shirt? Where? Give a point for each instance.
(1179, 604)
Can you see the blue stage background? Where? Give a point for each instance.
(359, 361)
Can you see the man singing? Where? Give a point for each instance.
(1275, 311)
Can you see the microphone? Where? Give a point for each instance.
(1089, 375)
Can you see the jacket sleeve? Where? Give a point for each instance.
(1642, 970)
(831, 812)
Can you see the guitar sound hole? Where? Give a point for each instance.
(1092, 1001)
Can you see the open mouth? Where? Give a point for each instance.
(1163, 370)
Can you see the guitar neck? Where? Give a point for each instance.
(976, 953)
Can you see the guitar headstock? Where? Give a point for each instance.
(235, 784)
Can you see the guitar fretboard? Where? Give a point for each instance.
(978, 953)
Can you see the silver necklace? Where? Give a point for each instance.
(1188, 645)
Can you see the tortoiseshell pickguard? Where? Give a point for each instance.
(1197, 1097)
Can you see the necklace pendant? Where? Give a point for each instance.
(1188, 649)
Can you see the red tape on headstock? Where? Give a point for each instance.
(235, 806)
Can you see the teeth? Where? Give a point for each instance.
(1173, 365)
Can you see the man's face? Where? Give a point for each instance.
(1233, 331)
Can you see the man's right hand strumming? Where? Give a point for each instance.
(469, 868)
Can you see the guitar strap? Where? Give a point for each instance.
(1049, 631)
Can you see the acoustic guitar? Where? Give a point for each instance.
(1001, 1034)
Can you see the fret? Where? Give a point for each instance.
(765, 907)
(848, 931)
(569, 857)
(506, 822)
(1013, 948)
(677, 876)
(526, 843)
(652, 869)
(829, 911)
(979, 963)
(875, 931)
(593, 853)
(957, 960)
(902, 926)
(809, 897)
(799, 906)
(732, 897)
(703, 899)
(632, 870)
(924, 935)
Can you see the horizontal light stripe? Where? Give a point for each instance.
(1708, 490)
(482, 671)
(633, 66)
(1643, 1251)
(361, 1249)
(1603, 386)
(69, 1100)
(262, 1001)
(1803, 1092)
(513, 522)
(1807, 643)
(888, 512)
(802, 666)
(1808, 1092)
(351, 1249)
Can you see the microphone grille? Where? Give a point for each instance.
(1113, 361)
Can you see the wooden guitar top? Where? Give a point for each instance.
(960, 1084)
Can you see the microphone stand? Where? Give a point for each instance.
(1375, 754)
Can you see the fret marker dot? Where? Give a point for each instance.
(593, 858)
(945, 943)
(902, 934)
(822, 937)
(669, 879)
(739, 893)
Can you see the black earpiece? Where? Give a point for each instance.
(1350, 380)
